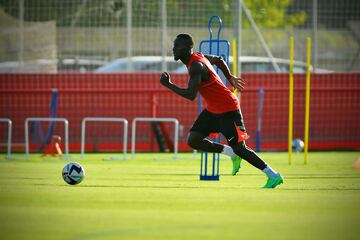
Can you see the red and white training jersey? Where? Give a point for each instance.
(218, 98)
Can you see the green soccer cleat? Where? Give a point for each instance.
(273, 182)
(236, 161)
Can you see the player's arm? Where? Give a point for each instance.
(195, 79)
(218, 61)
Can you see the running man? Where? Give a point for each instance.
(222, 112)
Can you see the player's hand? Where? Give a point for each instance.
(237, 82)
(165, 79)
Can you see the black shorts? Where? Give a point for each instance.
(228, 124)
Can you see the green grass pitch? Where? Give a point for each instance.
(163, 199)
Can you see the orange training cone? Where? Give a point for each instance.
(356, 164)
(53, 148)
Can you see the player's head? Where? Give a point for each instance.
(183, 45)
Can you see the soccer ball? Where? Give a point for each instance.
(297, 145)
(73, 173)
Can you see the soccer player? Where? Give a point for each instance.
(222, 112)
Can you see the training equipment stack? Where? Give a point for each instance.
(209, 170)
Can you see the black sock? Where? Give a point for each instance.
(250, 156)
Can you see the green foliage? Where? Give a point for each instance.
(84, 13)
(180, 13)
(272, 14)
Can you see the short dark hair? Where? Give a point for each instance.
(187, 39)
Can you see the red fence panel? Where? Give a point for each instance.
(334, 109)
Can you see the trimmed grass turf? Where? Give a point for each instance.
(163, 199)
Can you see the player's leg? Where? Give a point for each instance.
(274, 178)
(198, 141)
(232, 126)
(205, 124)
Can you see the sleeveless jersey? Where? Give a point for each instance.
(218, 98)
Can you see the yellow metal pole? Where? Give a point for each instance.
(307, 101)
(235, 60)
(291, 98)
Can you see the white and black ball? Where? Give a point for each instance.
(298, 145)
(73, 173)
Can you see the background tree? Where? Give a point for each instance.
(267, 13)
